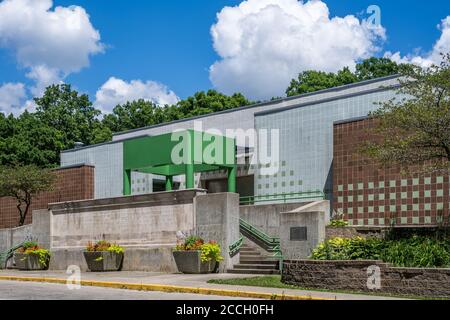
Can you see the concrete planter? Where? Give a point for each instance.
(30, 262)
(102, 261)
(190, 262)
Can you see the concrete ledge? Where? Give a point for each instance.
(168, 288)
(147, 200)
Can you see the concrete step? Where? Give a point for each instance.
(250, 253)
(258, 261)
(253, 271)
(254, 266)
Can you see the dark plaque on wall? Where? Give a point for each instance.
(299, 234)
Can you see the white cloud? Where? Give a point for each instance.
(442, 45)
(49, 42)
(11, 98)
(263, 44)
(43, 77)
(117, 91)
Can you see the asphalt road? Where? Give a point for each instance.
(12, 290)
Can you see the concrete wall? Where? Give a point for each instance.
(266, 217)
(146, 226)
(314, 217)
(217, 218)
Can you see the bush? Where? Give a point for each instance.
(411, 252)
(338, 223)
(102, 245)
(209, 251)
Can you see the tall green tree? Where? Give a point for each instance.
(376, 68)
(413, 130)
(311, 81)
(70, 113)
(31, 142)
(141, 113)
(23, 183)
(133, 115)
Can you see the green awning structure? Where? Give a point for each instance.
(180, 153)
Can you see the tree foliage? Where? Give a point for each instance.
(23, 183)
(310, 81)
(413, 129)
(141, 113)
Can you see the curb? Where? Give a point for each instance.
(168, 288)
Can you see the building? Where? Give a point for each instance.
(305, 126)
(318, 134)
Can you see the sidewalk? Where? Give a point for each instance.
(181, 283)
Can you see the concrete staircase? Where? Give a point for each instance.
(254, 260)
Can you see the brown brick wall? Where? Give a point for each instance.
(75, 183)
(353, 275)
(368, 195)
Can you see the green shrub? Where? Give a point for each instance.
(102, 245)
(411, 252)
(338, 223)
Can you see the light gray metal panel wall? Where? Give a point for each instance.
(244, 118)
(306, 143)
(108, 162)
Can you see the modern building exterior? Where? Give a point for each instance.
(316, 138)
(305, 127)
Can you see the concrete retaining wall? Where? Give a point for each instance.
(355, 276)
(313, 218)
(145, 225)
(217, 218)
(267, 217)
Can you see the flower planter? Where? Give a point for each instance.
(30, 262)
(101, 261)
(189, 262)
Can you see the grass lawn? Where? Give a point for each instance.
(275, 282)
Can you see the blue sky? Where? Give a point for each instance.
(168, 46)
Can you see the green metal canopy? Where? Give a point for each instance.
(179, 153)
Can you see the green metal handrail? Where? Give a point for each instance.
(258, 234)
(5, 256)
(272, 243)
(283, 197)
(236, 247)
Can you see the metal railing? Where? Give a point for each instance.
(283, 197)
(271, 243)
(5, 256)
(236, 247)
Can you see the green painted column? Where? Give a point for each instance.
(127, 182)
(169, 183)
(190, 176)
(232, 179)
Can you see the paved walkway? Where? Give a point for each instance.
(183, 280)
(17, 290)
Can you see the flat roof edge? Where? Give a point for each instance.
(325, 100)
(349, 120)
(334, 89)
